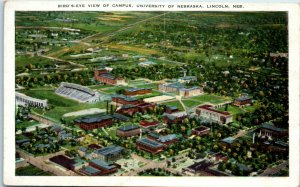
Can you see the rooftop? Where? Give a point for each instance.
(210, 108)
(201, 128)
(109, 76)
(93, 119)
(149, 143)
(167, 138)
(243, 98)
(110, 150)
(228, 140)
(136, 89)
(126, 98)
(270, 126)
(120, 117)
(128, 127)
(102, 164)
(90, 170)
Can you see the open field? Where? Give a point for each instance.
(25, 124)
(31, 171)
(174, 103)
(208, 98)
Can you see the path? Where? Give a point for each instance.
(60, 60)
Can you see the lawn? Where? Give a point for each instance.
(31, 171)
(152, 94)
(234, 110)
(191, 103)
(207, 98)
(20, 125)
(174, 103)
(113, 89)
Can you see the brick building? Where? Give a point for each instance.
(171, 109)
(128, 130)
(90, 123)
(125, 100)
(242, 101)
(102, 75)
(174, 117)
(208, 112)
(105, 168)
(150, 146)
(201, 130)
(137, 91)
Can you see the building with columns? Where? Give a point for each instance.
(24, 100)
(210, 113)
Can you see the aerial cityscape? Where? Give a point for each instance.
(151, 94)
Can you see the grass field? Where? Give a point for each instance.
(174, 103)
(209, 99)
(31, 171)
(153, 94)
(234, 110)
(25, 124)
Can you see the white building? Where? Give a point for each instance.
(24, 100)
(208, 112)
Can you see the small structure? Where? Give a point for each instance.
(242, 101)
(208, 112)
(109, 154)
(150, 146)
(171, 109)
(90, 123)
(128, 130)
(137, 91)
(201, 130)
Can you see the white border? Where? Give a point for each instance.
(9, 82)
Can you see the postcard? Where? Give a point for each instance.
(111, 93)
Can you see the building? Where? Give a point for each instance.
(187, 79)
(171, 109)
(105, 168)
(148, 124)
(125, 100)
(181, 90)
(197, 168)
(109, 154)
(137, 91)
(24, 100)
(102, 75)
(128, 109)
(77, 92)
(120, 117)
(201, 130)
(242, 101)
(149, 145)
(90, 123)
(90, 171)
(208, 112)
(268, 129)
(168, 139)
(128, 130)
(144, 107)
(227, 142)
(174, 117)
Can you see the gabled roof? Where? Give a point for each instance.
(128, 127)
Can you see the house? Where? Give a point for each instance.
(128, 130)
(137, 91)
(201, 130)
(242, 101)
(109, 154)
(174, 117)
(102, 75)
(90, 123)
(149, 145)
(208, 112)
(103, 166)
(171, 109)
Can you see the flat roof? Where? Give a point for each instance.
(209, 108)
(93, 119)
(102, 164)
(270, 126)
(149, 143)
(128, 127)
(90, 170)
(243, 98)
(167, 138)
(110, 150)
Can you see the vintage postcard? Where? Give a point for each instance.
(110, 93)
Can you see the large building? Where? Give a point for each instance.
(128, 130)
(77, 92)
(181, 90)
(242, 101)
(125, 100)
(166, 139)
(173, 118)
(130, 109)
(24, 100)
(102, 75)
(137, 91)
(268, 129)
(90, 123)
(149, 145)
(187, 79)
(109, 154)
(208, 112)
(105, 168)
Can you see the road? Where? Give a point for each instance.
(44, 164)
(274, 170)
(60, 60)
